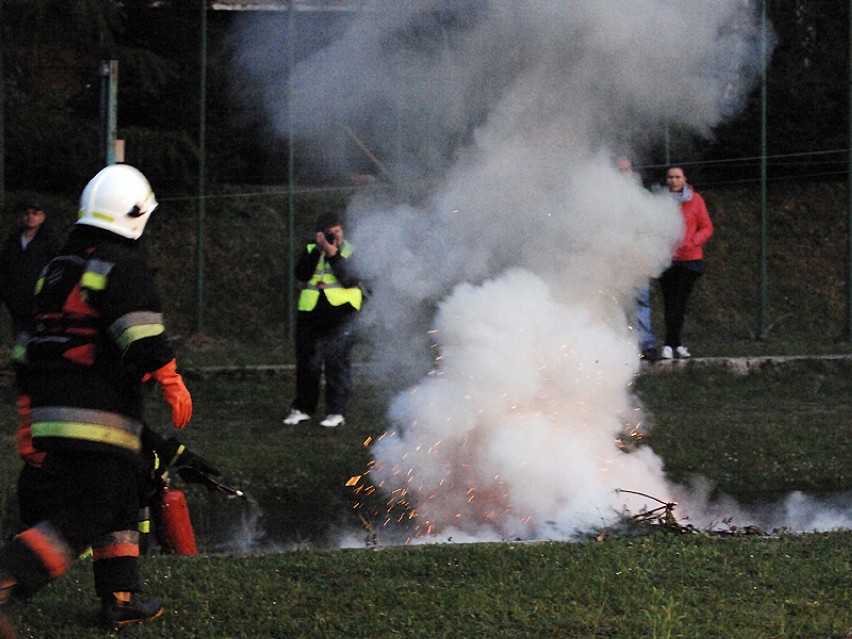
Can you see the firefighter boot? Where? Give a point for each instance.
(125, 608)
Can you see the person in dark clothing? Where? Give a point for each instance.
(325, 331)
(24, 254)
(98, 333)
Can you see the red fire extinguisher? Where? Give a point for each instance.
(176, 524)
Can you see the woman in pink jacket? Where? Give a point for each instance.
(687, 265)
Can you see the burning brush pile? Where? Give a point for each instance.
(662, 518)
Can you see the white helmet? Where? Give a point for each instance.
(118, 199)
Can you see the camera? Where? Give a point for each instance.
(330, 237)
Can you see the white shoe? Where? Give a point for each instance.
(296, 417)
(682, 353)
(666, 353)
(332, 421)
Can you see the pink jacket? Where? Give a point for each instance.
(698, 229)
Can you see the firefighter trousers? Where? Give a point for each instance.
(73, 502)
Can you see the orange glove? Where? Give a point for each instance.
(175, 393)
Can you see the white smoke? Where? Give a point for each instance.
(502, 285)
(515, 431)
(795, 512)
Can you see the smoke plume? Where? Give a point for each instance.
(504, 266)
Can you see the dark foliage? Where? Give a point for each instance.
(807, 95)
(52, 51)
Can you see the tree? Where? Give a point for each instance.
(807, 100)
(53, 50)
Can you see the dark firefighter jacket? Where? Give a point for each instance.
(98, 330)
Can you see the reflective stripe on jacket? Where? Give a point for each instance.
(135, 326)
(83, 426)
(67, 325)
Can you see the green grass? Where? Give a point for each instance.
(755, 436)
(766, 433)
(658, 586)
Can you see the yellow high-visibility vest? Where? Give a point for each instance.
(323, 279)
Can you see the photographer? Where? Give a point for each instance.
(325, 329)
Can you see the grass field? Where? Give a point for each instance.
(755, 437)
(655, 587)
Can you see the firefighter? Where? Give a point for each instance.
(98, 332)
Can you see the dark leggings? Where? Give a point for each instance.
(676, 284)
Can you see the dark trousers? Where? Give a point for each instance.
(87, 500)
(676, 284)
(320, 349)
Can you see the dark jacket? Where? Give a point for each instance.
(98, 331)
(20, 268)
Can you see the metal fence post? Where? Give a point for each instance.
(761, 296)
(291, 174)
(202, 171)
(2, 117)
(109, 109)
(849, 193)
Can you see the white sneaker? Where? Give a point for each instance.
(666, 353)
(296, 417)
(682, 352)
(332, 421)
